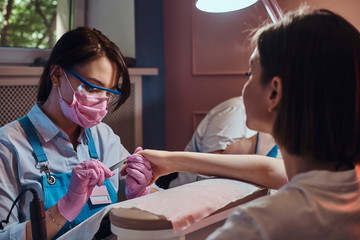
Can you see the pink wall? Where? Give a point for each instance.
(349, 9)
(184, 92)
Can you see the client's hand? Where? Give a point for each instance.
(84, 177)
(162, 162)
(139, 175)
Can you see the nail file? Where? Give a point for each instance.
(117, 165)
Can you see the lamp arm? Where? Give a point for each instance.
(273, 9)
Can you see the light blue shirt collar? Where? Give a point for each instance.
(45, 127)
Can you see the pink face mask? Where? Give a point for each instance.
(86, 110)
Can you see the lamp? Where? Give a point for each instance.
(216, 6)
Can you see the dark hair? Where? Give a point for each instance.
(317, 56)
(79, 46)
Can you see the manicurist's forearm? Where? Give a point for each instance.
(54, 222)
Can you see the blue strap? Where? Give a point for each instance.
(91, 145)
(257, 143)
(33, 138)
(36, 145)
(273, 152)
(196, 146)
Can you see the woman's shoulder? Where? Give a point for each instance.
(11, 130)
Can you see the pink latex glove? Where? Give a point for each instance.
(139, 175)
(84, 177)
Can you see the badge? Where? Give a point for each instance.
(100, 195)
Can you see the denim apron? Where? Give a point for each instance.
(55, 186)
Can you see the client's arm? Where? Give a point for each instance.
(266, 171)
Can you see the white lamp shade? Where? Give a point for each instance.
(217, 6)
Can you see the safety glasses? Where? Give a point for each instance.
(90, 88)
